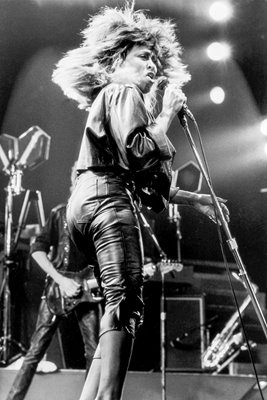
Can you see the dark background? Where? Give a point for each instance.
(34, 35)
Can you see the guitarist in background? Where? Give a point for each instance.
(55, 253)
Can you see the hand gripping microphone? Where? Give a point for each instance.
(161, 84)
(186, 112)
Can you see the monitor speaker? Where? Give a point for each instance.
(185, 333)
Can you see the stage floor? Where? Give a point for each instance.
(67, 384)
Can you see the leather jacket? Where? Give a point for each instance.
(118, 136)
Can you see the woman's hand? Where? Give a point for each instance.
(203, 203)
(173, 99)
(169, 101)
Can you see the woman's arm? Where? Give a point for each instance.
(173, 100)
(140, 139)
(201, 202)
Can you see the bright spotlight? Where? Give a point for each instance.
(218, 51)
(217, 95)
(221, 11)
(263, 127)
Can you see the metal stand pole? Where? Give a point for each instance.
(8, 262)
(162, 309)
(151, 233)
(175, 217)
(9, 251)
(230, 240)
(163, 338)
(60, 344)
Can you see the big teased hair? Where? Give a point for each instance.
(82, 72)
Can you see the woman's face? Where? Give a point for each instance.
(139, 67)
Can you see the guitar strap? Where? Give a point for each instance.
(66, 244)
(63, 260)
(61, 257)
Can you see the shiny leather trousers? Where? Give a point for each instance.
(46, 325)
(103, 223)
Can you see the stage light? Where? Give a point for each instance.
(218, 51)
(217, 95)
(221, 11)
(263, 127)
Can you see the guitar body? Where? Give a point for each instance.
(61, 305)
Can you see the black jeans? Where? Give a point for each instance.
(46, 325)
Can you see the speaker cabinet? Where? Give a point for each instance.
(185, 333)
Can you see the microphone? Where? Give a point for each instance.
(185, 112)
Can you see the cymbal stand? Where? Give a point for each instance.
(14, 188)
(220, 215)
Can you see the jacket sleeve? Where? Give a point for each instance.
(128, 124)
(48, 236)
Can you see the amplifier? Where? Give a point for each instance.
(185, 333)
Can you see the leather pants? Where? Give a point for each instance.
(46, 325)
(103, 223)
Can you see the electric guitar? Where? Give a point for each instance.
(62, 305)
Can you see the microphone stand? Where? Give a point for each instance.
(218, 210)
